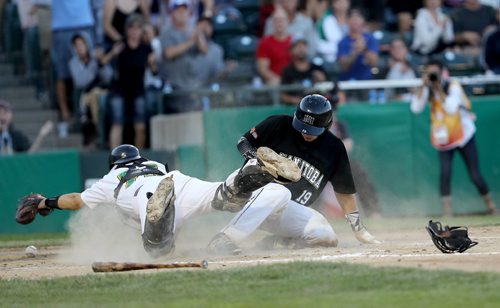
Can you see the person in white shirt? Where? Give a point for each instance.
(452, 129)
(433, 29)
(158, 202)
(331, 27)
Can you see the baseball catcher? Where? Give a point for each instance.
(157, 201)
(449, 239)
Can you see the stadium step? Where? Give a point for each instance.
(17, 94)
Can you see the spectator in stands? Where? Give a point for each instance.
(298, 24)
(68, 19)
(273, 51)
(403, 12)
(85, 64)
(90, 76)
(358, 51)
(13, 140)
(210, 65)
(471, 22)
(115, 16)
(374, 12)
(31, 43)
(155, 13)
(452, 130)
(399, 68)
(340, 8)
(152, 80)
(132, 58)
(433, 30)
(300, 71)
(98, 12)
(181, 44)
(265, 11)
(331, 26)
(491, 51)
(196, 9)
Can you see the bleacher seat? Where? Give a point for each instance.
(331, 68)
(228, 23)
(242, 47)
(250, 11)
(246, 5)
(417, 61)
(459, 63)
(229, 28)
(384, 39)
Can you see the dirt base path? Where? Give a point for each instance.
(411, 248)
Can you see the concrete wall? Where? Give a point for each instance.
(168, 132)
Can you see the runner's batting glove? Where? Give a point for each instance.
(359, 229)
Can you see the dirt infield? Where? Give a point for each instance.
(407, 248)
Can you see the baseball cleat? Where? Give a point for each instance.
(160, 200)
(278, 166)
(222, 244)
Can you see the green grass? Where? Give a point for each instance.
(297, 284)
(37, 239)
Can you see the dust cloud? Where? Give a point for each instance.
(101, 235)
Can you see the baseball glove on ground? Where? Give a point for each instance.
(449, 239)
(27, 208)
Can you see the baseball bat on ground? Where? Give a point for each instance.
(125, 266)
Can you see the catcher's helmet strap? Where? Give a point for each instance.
(133, 172)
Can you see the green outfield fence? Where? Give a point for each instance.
(46, 173)
(389, 141)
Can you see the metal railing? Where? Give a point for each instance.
(249, 95)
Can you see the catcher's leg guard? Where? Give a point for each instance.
(158, 236)
(269, 166)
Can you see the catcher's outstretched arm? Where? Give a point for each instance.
(72, 201)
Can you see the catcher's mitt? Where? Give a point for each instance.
(27, 208)
(449, 239)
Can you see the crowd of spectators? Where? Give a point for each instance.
(130, 50)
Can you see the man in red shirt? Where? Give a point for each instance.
(273, 52)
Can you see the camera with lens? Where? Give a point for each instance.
(433, 77)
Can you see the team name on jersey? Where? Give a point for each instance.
(309, 172)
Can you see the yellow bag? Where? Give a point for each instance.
(446, 129)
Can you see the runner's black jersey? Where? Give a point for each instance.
(322, 160)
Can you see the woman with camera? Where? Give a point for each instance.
(452, 129)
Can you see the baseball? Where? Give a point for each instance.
(31, 251)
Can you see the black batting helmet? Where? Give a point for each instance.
(122, 154)
(313, 115)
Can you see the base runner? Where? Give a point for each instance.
(321, 157)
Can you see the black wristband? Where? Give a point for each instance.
(246, 148)
(52, 203)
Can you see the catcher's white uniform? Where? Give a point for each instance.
(193, 196)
